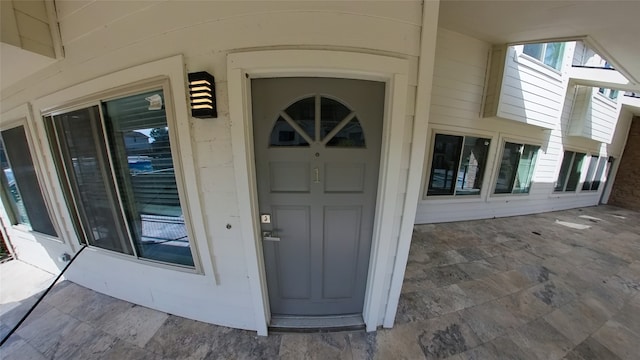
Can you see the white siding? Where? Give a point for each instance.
(204, 32)
(594, 115)
(585, 56)
(25, 24)
(579, 53)
(525, 90)
(456, 108)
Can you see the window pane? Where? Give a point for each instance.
(11, 190)
(576, 171)
(304, 114)
(474, 159)
(444, 165)
(613, 94)
(508, 168)
(553, 54)
(593, 163)
(141, 150)
(602, 163)
(351, 135)
(84, 155)
(29, 200)
(564, 170)
(533, 50)
(526, 166)
(284, 134)
(332, 112)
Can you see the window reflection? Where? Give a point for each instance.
(284, 134)
(350, 135)
(147, 178)
(334, 132)
(303, 113)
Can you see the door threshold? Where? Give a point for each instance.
(308, 324)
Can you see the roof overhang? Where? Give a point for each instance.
(611, 28)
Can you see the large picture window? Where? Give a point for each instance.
(120, 176)
(21, 191)
(548, 53)
(516, 168)
(570, 171)
(457, 165)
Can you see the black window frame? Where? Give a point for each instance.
(512, 190)
(595, 178)
(452, 190)
(571, 179)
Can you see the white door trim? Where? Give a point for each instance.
(394, 73)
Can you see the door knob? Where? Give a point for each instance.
(269, 236)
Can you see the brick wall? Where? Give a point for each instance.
(626, 187)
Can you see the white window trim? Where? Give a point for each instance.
(22, 116)
(605, 97)
(545, 47)
(168, 74)
(502, 140)
(529, 61)
(289, 63)
(456, 131)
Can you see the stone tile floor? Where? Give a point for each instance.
(548, 286)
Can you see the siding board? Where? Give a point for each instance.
(538, 95)
(255, 30)
(593, 116)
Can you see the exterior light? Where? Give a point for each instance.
(202, 95)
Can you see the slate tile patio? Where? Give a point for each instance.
(524, 287)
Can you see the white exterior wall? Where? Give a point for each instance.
(459, 82)
(524, 90)
(594, 115)
(137, 32)
(583, 55)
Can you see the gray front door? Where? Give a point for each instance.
(317, 151)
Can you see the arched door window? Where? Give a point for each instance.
(317, 119)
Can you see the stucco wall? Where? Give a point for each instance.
(626, 188)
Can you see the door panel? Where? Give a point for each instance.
(292, 251)
(341, 238)
(317, 150)
(289, 177)
(344, 177)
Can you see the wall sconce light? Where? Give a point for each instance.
(202, 94)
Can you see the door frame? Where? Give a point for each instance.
(394, 72)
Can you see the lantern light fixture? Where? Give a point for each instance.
(202, 95)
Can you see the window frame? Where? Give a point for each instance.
(166, 74)
(98, 101)
(428, 163)
(498, 164)
(22, 116)
(543, 53)
(580, 182)
(600, 159)
(605, 94)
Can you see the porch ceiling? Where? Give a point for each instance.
(612, 25)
